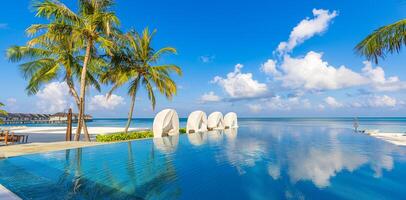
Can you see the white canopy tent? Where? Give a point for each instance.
(166, 123)
(215, 121)
(230, 120)
(196, 122)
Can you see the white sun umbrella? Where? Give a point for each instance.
(196, 122)
(166, 123)
(230, 120)
(215, 121)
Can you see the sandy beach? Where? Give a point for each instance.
(57, 134)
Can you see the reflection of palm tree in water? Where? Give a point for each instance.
(150, 181)
(156, 179)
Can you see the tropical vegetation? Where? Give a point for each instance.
(386, 39)
(2, 112)
(136, 62)
(84, 47)
(46, 60)
(133, 135)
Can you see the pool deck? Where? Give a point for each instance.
(394, 138)
(7, 194)
(31, 148)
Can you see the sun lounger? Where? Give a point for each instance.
(7, 137)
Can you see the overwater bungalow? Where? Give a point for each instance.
(29, 118)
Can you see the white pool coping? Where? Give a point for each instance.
(6, 194)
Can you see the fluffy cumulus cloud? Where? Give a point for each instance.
(280, 103)
(102, 102)
(332, 102)
(54, 97)
(307, 28)
(382, 101)
(269, 67)
(378, 80)
(238, 85)
(311, 72)
(209, 97)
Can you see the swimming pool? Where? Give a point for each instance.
(259, 160)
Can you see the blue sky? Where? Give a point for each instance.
(229, 53)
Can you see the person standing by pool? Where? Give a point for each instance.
(356, 124)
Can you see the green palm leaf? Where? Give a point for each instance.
(387, 39)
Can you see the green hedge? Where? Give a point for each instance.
(124, 136)
(129, 136)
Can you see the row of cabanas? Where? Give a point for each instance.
(166, 122)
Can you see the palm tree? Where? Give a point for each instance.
(387, 39)
(90, 27)
(2, 112)
(47, 60)
(135, 62)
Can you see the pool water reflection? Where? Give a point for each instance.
(259, 160)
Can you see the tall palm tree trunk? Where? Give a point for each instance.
(130, 114)
(83, 93)
(77, 100)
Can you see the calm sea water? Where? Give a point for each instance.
(262, 159)
(385, 124)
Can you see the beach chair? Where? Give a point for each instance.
(6, 137)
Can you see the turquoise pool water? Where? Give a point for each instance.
(262, 159)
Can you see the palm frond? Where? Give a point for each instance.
(55, 9)
(387, 39)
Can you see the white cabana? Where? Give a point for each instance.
(166, 123)
(230, 120)
(196, 122)
(215, 121)
(197, 138)
(166, 144)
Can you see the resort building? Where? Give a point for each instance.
(23, 118)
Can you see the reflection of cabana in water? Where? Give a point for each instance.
(215, 121)
(197, 138)
(231, 133)
(196, 122)
(166, 144)
(230, 120)
(166, 123)
(214, 136)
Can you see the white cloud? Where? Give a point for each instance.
(269, 67)
(312, 73)
(306, 29)
(379, 81)
(255, 107)
(53, 98)
(207, 59)
(209, 97)
(382, 101)
(241, 85)
(332, 102)
(102, 102)
(280, 103)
